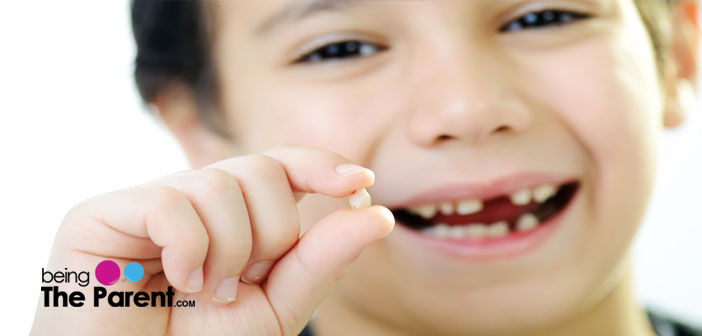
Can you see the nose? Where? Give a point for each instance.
(464, 99)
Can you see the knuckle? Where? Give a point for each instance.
(263, 166)
(214, 182)
(215, 177)
(165, 199)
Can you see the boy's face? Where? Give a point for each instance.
(445, 103)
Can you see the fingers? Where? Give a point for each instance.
(319, 260)
(313, 170)
(272, 183)
(230, 221)
(272, 212)
(220, 204)
(162, 215)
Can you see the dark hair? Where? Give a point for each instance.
(173, 47)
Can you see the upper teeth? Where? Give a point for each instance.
(521, 197)
(427, 210)
(470, 206)
(544, 192)
(446, 208)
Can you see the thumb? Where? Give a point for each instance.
(308, 272)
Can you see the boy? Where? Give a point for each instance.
(513, 141)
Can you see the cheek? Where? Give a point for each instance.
(606, 92)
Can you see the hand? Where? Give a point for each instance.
(226, 236)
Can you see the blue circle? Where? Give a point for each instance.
(133, 271)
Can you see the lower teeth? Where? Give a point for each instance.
(499, 229)
(526, 222)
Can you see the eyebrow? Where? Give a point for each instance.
(299, 10)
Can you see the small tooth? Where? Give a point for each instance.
(543, 192)
(427, 211)
(521, 197)
(475, 230)
(526, 222)
(446, 208)
(467, 207)
(455, 231)
(360, 199)
(498, 229)
(441, 230)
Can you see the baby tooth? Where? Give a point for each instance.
(468, 207)
(498, 229)
(527, 222)
(441, 230)
(427, 211)
(543, 192)
(446, 208)
(360, 199)
(455, 231)
(521, 197)
(475, 230)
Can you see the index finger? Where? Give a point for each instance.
(312, 170)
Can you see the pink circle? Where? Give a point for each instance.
(107, 272)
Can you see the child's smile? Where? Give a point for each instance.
(514, 141)
(492, 220)
(516, 161)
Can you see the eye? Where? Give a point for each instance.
(339, 50)
(542, 19)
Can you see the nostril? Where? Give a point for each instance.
(444, 137)
(502, 129)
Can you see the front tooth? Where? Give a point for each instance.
(441, 230)
(527, 222)
(521, 197)
(475, 230)
(427, 211)
(498, 229)
(543, 192)
(446, 208)
(455, 231)
(467, 207)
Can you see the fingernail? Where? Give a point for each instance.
(347, 169)
(255, 272)
(226, 290)
(194, 284)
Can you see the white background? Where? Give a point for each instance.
(72, 126)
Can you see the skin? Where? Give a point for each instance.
(449, 94)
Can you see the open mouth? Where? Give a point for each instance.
(520, 212)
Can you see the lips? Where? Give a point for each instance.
(509, 208)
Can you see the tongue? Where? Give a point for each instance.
(499, 209)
